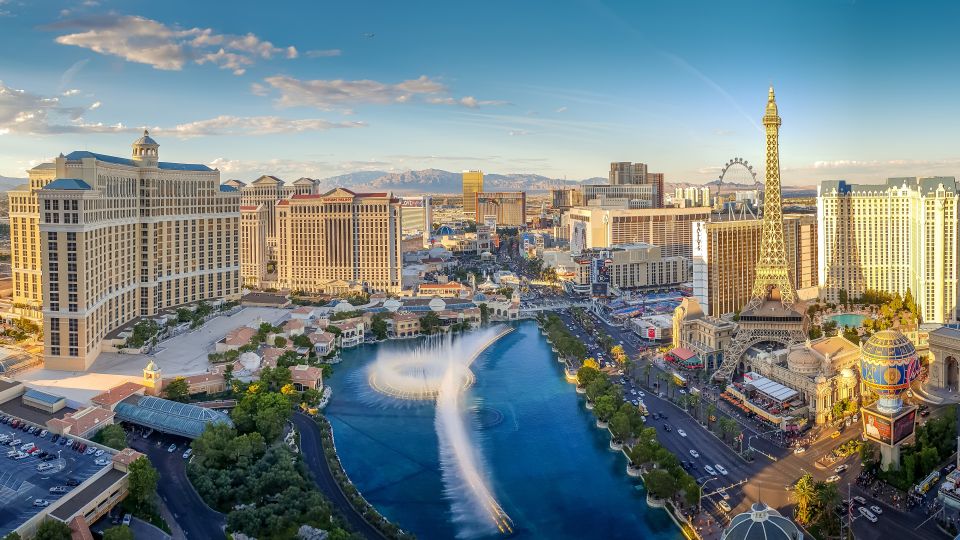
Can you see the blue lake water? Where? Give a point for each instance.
(548, 466)
(852, 320)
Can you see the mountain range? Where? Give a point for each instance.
(440, 181)
(7, 183)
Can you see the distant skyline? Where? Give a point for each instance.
(557, 88)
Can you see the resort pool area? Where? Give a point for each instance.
(546, 463)
(852, 320)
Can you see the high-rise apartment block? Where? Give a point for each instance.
(416, 217)
(339, 241)
(25, 242)
(472, 184)
(669, 228)
(890, 238)
(126, 238)
(253, 243)
(693, 196)
(725, 259)
(564, 198)
(508, 207)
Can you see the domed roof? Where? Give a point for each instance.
(152, 366)
(250, 361)
(846, 373)
(803, 361)
(761, 523)
(146, 139)
(888, 362)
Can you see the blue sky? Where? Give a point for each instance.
(560, 88)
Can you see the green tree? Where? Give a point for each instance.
(587, 374)
(484, 313)
(660, 484)
(177, 390)
(604, 407)
(620, 426)
(711, 412)
(815, 332)
(120, 532)
(851, 335)
(805, 495)
(378, 325)
(265, 413)
(113, 436)
(843, 297)
(301, 341)
(280, 342)
(12, 536)
(52, 529)
(429, 323)
(273, 379)
(143, 480)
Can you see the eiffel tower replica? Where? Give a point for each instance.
(772, 313)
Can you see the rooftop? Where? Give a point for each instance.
(42, 397)
(117, 394)
(169, 416)
(68, 184)
(73, 505)
(77, 155)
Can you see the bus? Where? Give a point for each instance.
(928, 482)
(679, 380)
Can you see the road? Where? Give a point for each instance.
(310, 445)
(192, 514)
(766, 479)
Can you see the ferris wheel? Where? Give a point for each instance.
(737, 171)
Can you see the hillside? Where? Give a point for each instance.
(440, 181)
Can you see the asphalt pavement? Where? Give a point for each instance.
(196, 519)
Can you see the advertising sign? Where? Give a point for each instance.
(411, 202)
(578, 237)
(903, 426)
(876, 427)
(599, 289)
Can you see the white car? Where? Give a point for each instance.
(710, 470)
(723, 505)
(188, 453)
(98, 453)
(101, 461)
(833, 479)
(641, 394)
(682, 391)
(681, 433)
(876, 510)
(41, 503)
(694, 453)
(721, 469)
(172, 448)
(799, 450)
(840, 468)
(860, 500)
(868, 514)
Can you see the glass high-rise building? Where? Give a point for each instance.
(472, 184)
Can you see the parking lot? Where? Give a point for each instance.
(21, 484)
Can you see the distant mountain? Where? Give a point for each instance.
(7, 183)
(440, 181)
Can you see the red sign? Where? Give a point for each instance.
(876, 428)
(651, 333)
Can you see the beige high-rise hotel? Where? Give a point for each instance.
(339, 241)
(889, 238)
(669, 228)
(122, 238)
(508, 208)
(472, 184)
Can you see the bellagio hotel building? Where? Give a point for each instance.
(122, 238)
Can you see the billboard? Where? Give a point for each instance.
(877, 428)
(578, 237)
(903, 426)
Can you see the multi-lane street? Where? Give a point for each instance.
(766, 479)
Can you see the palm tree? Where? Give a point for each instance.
(646, 372)
(694, 402)
(805, 495)
(671, 387)
(711, 410)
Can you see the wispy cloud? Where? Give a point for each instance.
(253, 125)
(71, 72)
(686, 66)
(561, 110)
(146, 41)
(323, 53)
(28, 113)
(519, 132)
(469, 102)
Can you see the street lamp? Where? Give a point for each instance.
(700, 498)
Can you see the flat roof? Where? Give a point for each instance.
(16, 408)
(87, 494)
(6, 385)
(771, 388)
(42, 397)
(168, 416)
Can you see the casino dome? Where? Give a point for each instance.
(761, 522)
(801, 360)
(888, 362)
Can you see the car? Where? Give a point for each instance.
(126, 519)
(90, 451)
(98, 453)
(682, 391)
(101, 461)
(55, 438)
(68, 442)
(172, 448)
(15, 442)
(833, 479)
(723, 505)
(860, 500)
(188, 453)
(27, 446)
(925, 413)
(799, 450)
(681, 433)
(59, 490)
(41, 503)
(694, 453)
(724, 496)
(12, 453)
(710, 470)
(835, 434)
(840, 468)
(43, 434)
(867, 514)
(43, 467)
(876, 509)
(721, 469)
(72, 482)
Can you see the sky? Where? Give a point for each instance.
(866, 90)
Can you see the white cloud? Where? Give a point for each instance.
(324, 53)
(332, 94)
(95, 105)
(71, 92)
(146, 41)
(519, 132)
(253, 125)
(561, 110)
(469, 101)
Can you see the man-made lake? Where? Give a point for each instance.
(852, 320)
(546, 464)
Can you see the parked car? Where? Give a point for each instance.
(188, 453)
(710, 470)
(172, 448)
(833, 479)
(72, 482)
(860, 499)
(126, 519)
(59, 490)
(876, 509)
(723, 505)
(41, 503)
(101, 461)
